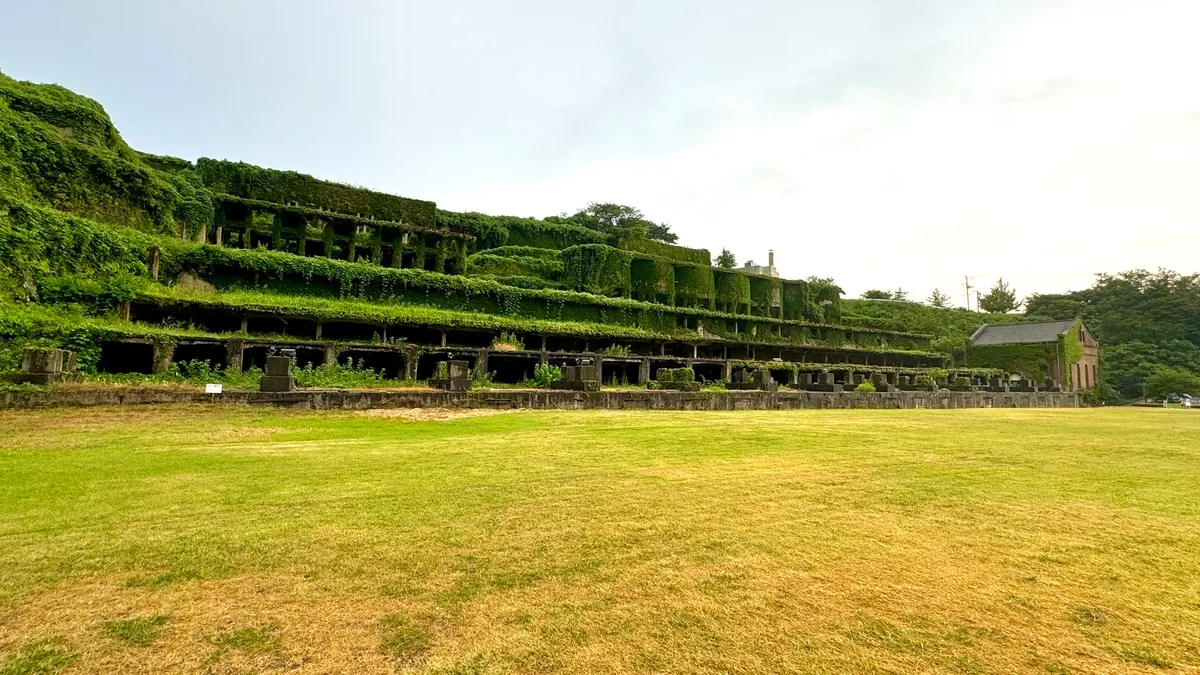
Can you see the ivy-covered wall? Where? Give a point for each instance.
(657, 249)
(732, 292)
(653, 280)
(514, 266)
(497, 231)
(599, 269)
(1037, 360)
(283, 187)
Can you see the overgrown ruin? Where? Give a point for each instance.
(136, 263)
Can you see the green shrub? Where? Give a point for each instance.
(865, 386)
(676, 375)
(508, 342)
(441, 371)
(545, 374)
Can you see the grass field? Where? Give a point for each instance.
(217, 539)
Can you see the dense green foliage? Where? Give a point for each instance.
(61, 150)
(655, 249)
(497, 231)
(598, 269)
(732, 292)
(513, 266)
(1172, 381)
(1144, 321)
(80, 211)
(284, 187)
(950, 328)
(525, 252)
(676, 375)
(37, 243)
(1000, 299)
(695, 287)
(620, 221)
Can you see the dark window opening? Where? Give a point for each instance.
(126, 357)
(346, 330)
(215, 354)
(616, 373)
(462, 338)
(390, 365)
(415, 335)
(511, 369)
(708, 372)
(254, 357)
(314, 248)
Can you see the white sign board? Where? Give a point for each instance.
(213, 388)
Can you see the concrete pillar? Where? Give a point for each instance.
(320, 327)
(481, 362)
(245, 323)
(727, 372)
(410, 365)
(233, 355)
(644, 371)
(443, 338)
(331, 353)
(124, 309)
(217, 236)
(152, 260)
(164, 352)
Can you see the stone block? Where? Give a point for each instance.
(42, 361)
(278, 366)
(459, 370)
(276, 383)
(35, 378)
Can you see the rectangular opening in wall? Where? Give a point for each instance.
(351, 331)
(126, 357)
(254, 357)
(511, 368)
(390, 365)
(197, 352)
(465, 338)
(415, 335)
(309, 356)
(708, 372)
(616, 373)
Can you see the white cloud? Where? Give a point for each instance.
(1065, 143)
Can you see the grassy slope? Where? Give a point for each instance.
(601, 541)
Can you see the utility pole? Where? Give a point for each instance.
(967, 288)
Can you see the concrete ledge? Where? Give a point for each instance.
(335, 399)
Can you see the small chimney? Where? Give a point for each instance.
(771, 258)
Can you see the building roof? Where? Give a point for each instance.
(1020, 333)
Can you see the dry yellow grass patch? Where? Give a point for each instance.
(613, 542)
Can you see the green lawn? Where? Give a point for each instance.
(224, 539)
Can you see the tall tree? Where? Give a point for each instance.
(1172, 381)
(938, 299)
(622, 220)
(900, 294)
(1000, 300)
(726, 260)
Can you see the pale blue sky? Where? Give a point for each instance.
(882, 143)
